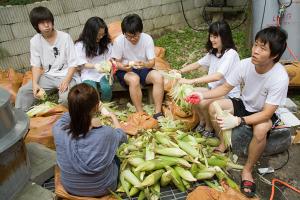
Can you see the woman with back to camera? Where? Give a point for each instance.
(86, 153)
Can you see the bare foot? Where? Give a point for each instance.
(221, 148)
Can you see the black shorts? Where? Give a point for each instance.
(240, 111)
(142, 73)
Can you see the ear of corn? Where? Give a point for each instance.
(186, 184)
(214, 142)
(165, 178)
(162, 138)
(185, 174)
(152, 178)
(149, 152)
(175, 152)
(178, 161)
(226, 134)
(176, 179)
(150, 165)
(131, 178)
(188, 149)
(194, 169)
(135, 161)
(204, 175)
(125, 185)
(141, 195)
(214, 186)
(133, 191)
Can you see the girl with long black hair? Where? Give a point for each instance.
(220, 60)
(93, 49)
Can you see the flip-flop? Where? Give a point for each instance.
(245, 184)
(157, 115)
(200, 128)
(208, 134)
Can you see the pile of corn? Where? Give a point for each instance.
(156, 159)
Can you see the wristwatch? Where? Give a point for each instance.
(243, 122)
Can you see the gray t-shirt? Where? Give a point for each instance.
(87, 164)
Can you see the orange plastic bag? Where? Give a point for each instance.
(190, 120)
(160, 52)
(137, 122)
(11, 81)
(161, 64)
(40, 128)
(293, 70)
(27, 77)
(114, 30)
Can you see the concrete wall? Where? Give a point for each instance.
(158, 17)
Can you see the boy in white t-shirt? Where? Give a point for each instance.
(53, 60)
(265, 83)
(135, 58)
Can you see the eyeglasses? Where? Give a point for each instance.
(132, 36)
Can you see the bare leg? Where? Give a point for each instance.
(133, 81)
(255, 149)
(155, 78)
(226, 104)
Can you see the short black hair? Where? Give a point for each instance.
(276, 38)
(39, 14)
(132, 24)
(222, 29)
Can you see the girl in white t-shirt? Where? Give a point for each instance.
(219, 62)
(93, 49)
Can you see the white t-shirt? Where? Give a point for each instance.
(126, 51)
(91, 74)
(270, 87)
(224, 65)
(56, 58)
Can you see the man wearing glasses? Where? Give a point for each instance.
(135, 58)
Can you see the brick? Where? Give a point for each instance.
(148, 25)
(117, 8)
(84, 15)
(5, 33)
(157, 33)
(152, 12)
(188, 5)
(138, 4)
(160, 22)
(54, 6)
(25, 60)
(11, 62)
(102, 2)
(13, 14)
(75, 32)
(23, 29)
(17, 46)
(75, 5)
(177, 18)
(138, 12)
(66, 21)
(100, 11)
(192, 14)
(168, 9)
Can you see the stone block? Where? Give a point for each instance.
(25, 61)
(66, 21)
(75, 32)
(17, 46)
(152, 12)
(192, 14)
(290, 105)
(175, 27)
(138, 4)
(148, 25)
(117, 8)
(155, 2)
(5, 33)
(42, 162)
(54, 6)
(171, 8)
(84, 15)
(161, 22)
(11, 62)
(75, 5)
(199, 3)
(235, 3)
(113, 19)
(13, 14)
(100, 11)
(156, 33)
(168, 1)
(23, 29)
(102, 2)
(177, 18)
(33, 191)
(188, 5)
(138, 12)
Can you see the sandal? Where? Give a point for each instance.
(208, 134)
(245, 184)
(158, 115)
(200, 128)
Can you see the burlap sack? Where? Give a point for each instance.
(137, 122)
(161, 64)
(160, 52)
(11, 81)
(293, 70)
(62, 193)
(171, 110)
(40, 128)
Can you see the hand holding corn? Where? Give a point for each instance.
(228, 122)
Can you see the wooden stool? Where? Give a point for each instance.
(64, 195)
